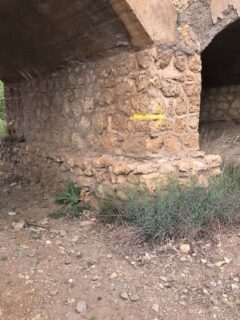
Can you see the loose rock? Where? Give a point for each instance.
(81, 306)
(185, 248)
(124, 295)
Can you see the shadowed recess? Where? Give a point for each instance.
(221, 59)
(38, 35)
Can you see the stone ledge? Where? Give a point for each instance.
(95, 172)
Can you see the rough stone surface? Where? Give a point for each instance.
(221, 103)
(120, 110)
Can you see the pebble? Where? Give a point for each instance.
(95, 278)
(54, 292)
(12, 214)
(113, 275)
(185, 248)
(63, 233)
(134, 297)
(17, 226)
(183, 259)
(155, 307)
(124, 295)
(86, 223)
(234, 286)
(75, 239)
(81, 306)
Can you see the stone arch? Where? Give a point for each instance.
(220, 106)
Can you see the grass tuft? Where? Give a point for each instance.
(180, 211)
(69, 196)
(71, 206)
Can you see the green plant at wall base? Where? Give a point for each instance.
(69, 196)
(2, 111)
(71, 206)
(179, 211)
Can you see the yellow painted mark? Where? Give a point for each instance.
(136, 117)
(158, 117)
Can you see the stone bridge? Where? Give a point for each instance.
(108, 92)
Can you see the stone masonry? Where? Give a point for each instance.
(221, 104)
(123, 110)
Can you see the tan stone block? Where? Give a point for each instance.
(154, 145)
(194, 122)
(166, 125)
(120, 168)
(216, 172)
(80, 162)
(198, 166)
(132, 178)
(109, 141)
(99, 121)
(104, 161)
(126, 87)
(88, 171)
(151, 181)
(145, 168)
(170, 89)
(191, 140)
(203, 180)
(192, 89)
(144, 59)
(185, 165)
(155, 81)
(135, 144)
(143, 82)
(106, 98)
(180, 61)
(119, 121)
(181, 107)
(198, 154)
(121, 180)
(213, 160)
(188, 37)
(167, 169)
(180, 125)
(163, 59)
(195, 63)
(172, 143)
(194, 109)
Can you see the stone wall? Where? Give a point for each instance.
(221, 103)
(126, 117)
(90, 106)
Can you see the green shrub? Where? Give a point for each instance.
(180, 210)
(71, 207)
(69, 196)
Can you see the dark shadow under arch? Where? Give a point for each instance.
(221, 59)
(220, 101)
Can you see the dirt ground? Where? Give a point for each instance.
(222, 137)
(48, 267)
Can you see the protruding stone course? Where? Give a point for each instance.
(105, 173)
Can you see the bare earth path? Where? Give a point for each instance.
(48, 266)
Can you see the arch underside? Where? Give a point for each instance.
(37, 35)
(220, 107)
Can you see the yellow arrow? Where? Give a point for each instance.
(159, 117)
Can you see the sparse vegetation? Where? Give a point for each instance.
(71, 207)
(179, 211)
(69, 196)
